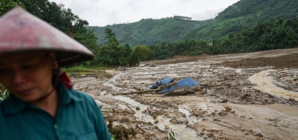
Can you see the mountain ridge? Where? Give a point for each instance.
(237, 17)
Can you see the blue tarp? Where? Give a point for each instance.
(184, 83)
(162, 82)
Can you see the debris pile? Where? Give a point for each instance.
(168, 86)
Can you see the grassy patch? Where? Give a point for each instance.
(92, 70)
(84, 69)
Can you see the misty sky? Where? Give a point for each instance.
(108, 12)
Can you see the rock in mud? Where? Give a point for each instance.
(180, 120)
(120, 111)
(227, 108)
(124, 119)
(200, 133)
(223, 101)
(216, 120)
(223, 113)
(140, 137)
(245, 96)
(173, 121)
(213, 130)
(210, 135)
(152, 65)
(204, 119)
(292, 99)
(258, 135)
(196, 88)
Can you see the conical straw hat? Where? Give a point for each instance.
(22, 31)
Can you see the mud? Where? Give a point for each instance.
(254, 100)
(284, 61)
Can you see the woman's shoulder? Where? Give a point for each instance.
(83, 100)
(80, 95)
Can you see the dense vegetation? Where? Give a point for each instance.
(273, 34)
(240, 16)
(149, 31)
(243, 15)
(264, 8)
(112, 53)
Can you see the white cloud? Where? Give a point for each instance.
(107, 12)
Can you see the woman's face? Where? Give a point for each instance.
(26, 75)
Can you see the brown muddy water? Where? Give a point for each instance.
(237, 101)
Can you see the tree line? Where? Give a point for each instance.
(264, 8)
(275, 33)
(112, 53)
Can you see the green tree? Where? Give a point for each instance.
(111, 53)
(6, 5)
(139, 53)
(111, 37)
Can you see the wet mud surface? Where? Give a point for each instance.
(284, 61)
(257, 100)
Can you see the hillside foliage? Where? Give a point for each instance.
(6, 5)
(243, 15)
(276, 33)
(264, 8)
(149, 31)
(237, 17)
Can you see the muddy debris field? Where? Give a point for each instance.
(241, 96)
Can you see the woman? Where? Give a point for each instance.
(42, 104)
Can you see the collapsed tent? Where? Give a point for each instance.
(166, 86)
(162, 82)
(185, 83)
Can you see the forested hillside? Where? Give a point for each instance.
(243, 15)
(149, 31)
(264, 8)
(276, 33)
(240, 16)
